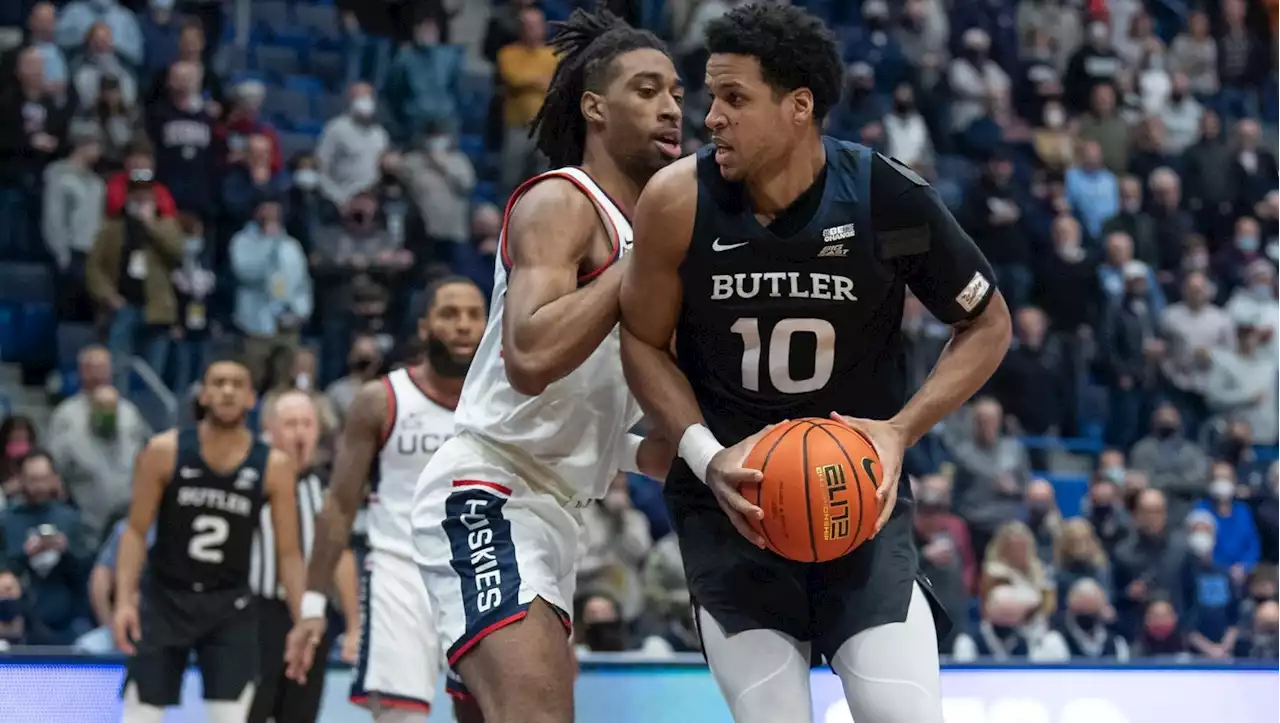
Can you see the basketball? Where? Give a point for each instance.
(819, 489)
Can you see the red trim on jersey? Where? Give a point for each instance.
(486, 632)
(430, 395)
(389, 424)
(481, 483)
(386, 700)
(614, 239)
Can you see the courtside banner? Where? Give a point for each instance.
(56, 689)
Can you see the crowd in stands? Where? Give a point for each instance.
(1112, 493)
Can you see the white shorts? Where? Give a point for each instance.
(487, 546)
(400, 659)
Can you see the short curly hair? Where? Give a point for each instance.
(795, 49)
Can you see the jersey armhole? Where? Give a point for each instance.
(611, 230)
(389, 421)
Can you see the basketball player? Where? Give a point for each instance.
(394, 426)
(542, 423)
(780, 260)
(203, 488)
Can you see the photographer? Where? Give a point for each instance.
(128, 273)
(44, 542)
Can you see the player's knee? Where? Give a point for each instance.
(523, 673)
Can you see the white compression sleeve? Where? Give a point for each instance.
(890, 672)
(135, 711)
(763, 674)
(230, 711)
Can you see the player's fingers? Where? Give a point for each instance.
(743, 476)
(740, 524)
(740, 504)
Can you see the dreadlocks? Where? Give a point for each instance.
(586, 44)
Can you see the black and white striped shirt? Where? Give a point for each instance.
(263, 578)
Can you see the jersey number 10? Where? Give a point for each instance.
(208, 533)
(779, 354)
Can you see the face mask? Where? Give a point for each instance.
(605, 636)
(1264, 596)
(16, 450)
(1054, 118)
(1088, 621)
(363, 107)
(1132, 207)
(904, 106)
(439, 143)
(193, 245)
(1247, 244)
(1160, 631)
(1004, 631)
(1262, 291)
(1115, 474)
(1165, 431)
(1200, 543)
(1222, 489)
(306, 179)
(10, 609)
(360, 365)
(302, 382)
(103, 424)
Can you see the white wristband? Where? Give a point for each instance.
(697, 446)
(314, 604)
(630, 454)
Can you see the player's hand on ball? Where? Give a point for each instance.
(300, 647)
(125, 627)
(890, 442)
(726, 474)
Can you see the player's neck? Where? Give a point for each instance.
(774, 187)
(623, 187)
(440, 389)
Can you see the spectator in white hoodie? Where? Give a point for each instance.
(1240, 384)
(907, 133)
(351, 147)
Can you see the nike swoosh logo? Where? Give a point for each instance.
(717, 246)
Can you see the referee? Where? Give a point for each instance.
(292, 425)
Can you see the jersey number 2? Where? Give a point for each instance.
(779, 354)
(208, 535)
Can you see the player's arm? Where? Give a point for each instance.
(952, 278)
(550, 325)
(151, 472)
(282, 491)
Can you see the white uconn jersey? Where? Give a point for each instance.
(564, 441)
(419, 426)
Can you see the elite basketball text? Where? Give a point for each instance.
(835, 514)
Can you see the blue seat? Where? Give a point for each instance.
(23, 283)
(270, 15)
(71, 338)
(330, 105)
(304, 84)
(328, 67)
(35, 340)
(292, 144)
(276, 61)
(321, 24)
(1069, 490)
(287, 107)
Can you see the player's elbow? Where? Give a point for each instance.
(527, 374)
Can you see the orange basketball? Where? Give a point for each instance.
(819, 489)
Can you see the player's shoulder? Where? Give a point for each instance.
(164, 443)
(279, 460)
(675, 184)
(371, 400)
(552, 195)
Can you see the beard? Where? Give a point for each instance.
(212, 418)
(446, 363)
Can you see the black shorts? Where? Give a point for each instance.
(746, 588)
(220, 627)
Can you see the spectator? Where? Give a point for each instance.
(1011, 560)
(39, 35)
(32, 128)
(1264, 643)
(1235, 261)
(1149, 563)
(358, 46)
(1078, 555)
(194, 282)
(95, 455)
(1241, 60)
(861, 107)
(1119, 251)
(182, 128)
(15, 628)
(1207, 164)
(1212, 603)
(118, 123)
(1092, 190)
(946, 555)
(128, 275)
(1172, 223)
(161, 29)
(526, 68)
(1103, 125)
(1067, 286)
(922, 34)
(78, 17)
(1254, 301)
(351, 149)
(1104, 510)
(251, 179)
(995, 218)
(364, 364)
(616, 539)
(1236, 546)
(44, 540)
(1044, 519)
(93, 367)
(422, 85)
(667, 601)
(1004, 634)
(1253, 171)
(1195, 328)
(1130, 352)
(138, 158)
(98, 62)
(18, 437)
(439, 178)
(74, 199)
(1084, 627)
(1160, 634)
(872, 42)
(1058, 22)
(102, 583)
(1033, 381)
(1173, 463)
(1240, 384)
(242, 121)
(1147, 153)
(1263, 587)
(991, 471)
(191, 49)
(975, 78)
(1094, 65)
(603, 629)
(1182, 117)
(273, 296)
(1134, 222)
(1194, 53)
(1052, 139)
